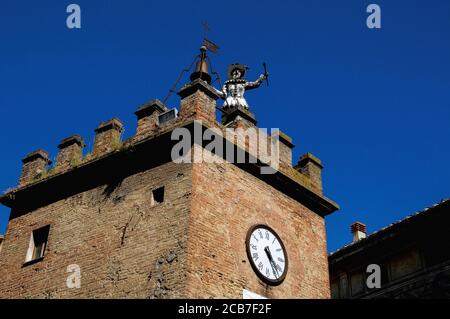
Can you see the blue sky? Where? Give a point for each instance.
(374, 105)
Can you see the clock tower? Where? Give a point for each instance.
(133, 221)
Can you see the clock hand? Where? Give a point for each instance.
(274, 268)
(272, 263)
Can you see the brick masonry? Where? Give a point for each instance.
(191, 245)
(226, 202)
(34, 166)
(125, 247)
(70, 152)
(107, 137)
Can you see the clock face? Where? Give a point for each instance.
(267, 254)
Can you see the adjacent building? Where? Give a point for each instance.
(413, 255)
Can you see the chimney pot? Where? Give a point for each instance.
(359, 231)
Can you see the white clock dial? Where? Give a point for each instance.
(267, 254)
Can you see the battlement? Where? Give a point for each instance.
(198, 103)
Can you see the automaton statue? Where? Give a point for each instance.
(234, 88)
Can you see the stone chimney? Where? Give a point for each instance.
(70, 152)
(34, 166)
(147, 116)
(108, 137)
(359, 231)
(198, 98)
(312, 167)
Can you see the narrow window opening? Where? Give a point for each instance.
(1, 242)
(38, 243)
(158, 196)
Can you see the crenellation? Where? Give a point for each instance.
(108, 137)
(70, 152)
(311, 166)
(147, 117)
(285, 148)
(34, 166)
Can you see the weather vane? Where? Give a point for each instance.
(232, 91)
(208, 44)
(205, 28)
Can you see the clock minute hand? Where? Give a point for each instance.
(269, 255)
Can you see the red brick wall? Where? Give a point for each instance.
(226, 202)
(125, 247)
(192, 245)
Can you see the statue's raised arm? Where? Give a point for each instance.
(253, 85)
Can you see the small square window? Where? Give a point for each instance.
(38, 243)
(158, 196)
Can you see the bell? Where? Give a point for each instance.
(201, 69)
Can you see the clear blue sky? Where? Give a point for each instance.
(374, 105)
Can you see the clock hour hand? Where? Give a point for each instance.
(272, 263)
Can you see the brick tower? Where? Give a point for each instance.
(137, 224)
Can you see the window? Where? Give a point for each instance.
(335, 289)
(340, 286)
(357, 282)
(157, 196)
(38, 243)
(404, 264)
